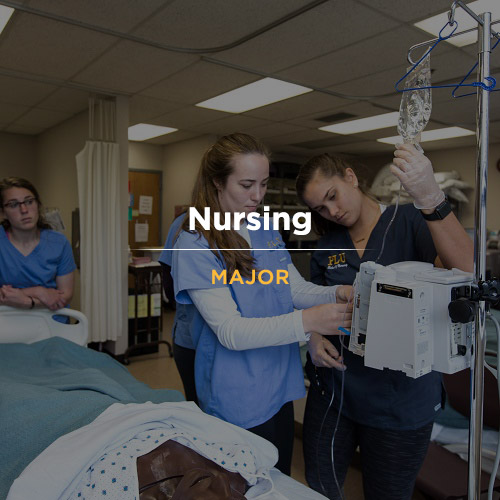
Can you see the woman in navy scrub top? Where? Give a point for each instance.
(246, 335)
(36, 263)
(387, 414)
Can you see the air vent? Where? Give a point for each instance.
(337, 117)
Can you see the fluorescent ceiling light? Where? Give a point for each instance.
(432, 135)
(254, 95)
(145, 131)
(434, 24)
(5, 13)
(364, 124)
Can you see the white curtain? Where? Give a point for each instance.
(98, 169)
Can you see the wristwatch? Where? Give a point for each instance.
(440, 212)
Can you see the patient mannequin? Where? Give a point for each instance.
(36, 263)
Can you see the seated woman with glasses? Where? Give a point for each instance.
(36, 263)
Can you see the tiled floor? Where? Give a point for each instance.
(159, 371)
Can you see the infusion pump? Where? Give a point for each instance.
(401, 321)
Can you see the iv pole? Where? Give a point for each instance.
(479, 340)
(477, 358)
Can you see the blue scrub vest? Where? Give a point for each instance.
(247, 387)
(181, 331)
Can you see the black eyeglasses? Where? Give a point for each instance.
(16, 204)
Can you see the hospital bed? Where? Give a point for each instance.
(66, 409)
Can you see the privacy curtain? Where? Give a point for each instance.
(98, 170)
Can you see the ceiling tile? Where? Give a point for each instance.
(409, 11)
(118, 15)
(362, 148)
(195, 24)
(445, 66)
(338, 66)
(180, 135)
(459, 112)
(459, 142)
(45, 118)
(296, 106)
(229, 125)
(130, 67)
(66, 100)
(273, 130)
(328, 27)
(44, 47)
(353, 47)
(297, 137)
(10, 112)
(326, 142)
(199, 82)
(188, 117)
(143, 109)
(28, 93)
(360, 109)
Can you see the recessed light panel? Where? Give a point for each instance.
(433, 25)
(364, 124)
(254, 95)
(5, 14)
(432, 135)
(145, 131)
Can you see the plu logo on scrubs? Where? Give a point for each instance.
(264, 277)
(276, 243)
(336, 260)
(301, 221)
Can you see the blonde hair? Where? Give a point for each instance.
(216, 166)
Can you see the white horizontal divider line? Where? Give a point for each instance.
(237, 249)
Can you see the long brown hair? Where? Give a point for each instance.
(216, 166)
(328, 166)
(18, 182)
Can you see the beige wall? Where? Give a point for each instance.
(463, 160)
(56, 173)
(56, 164)
(18, 157)
(145, 156)
(181, 162)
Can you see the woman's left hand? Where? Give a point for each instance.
(13, 297)
(344, 294)
(415, 172)
(323, 353)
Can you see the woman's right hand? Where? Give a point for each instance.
(326, 318)
(51, 298)
(323, 353)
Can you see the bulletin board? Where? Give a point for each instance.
(144, 210)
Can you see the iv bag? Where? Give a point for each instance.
(416, 105)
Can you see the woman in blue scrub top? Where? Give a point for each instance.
(384, 412)
(247, 366)
(36, 263)
(184, 350)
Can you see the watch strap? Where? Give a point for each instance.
(440, 212)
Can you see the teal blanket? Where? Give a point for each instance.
(53, 387)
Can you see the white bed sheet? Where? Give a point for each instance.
(57, 471)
